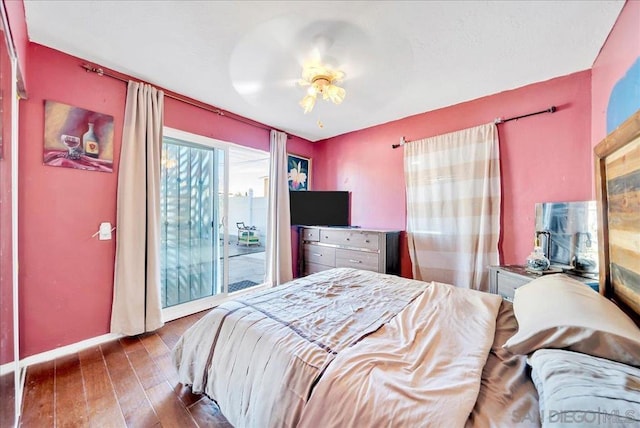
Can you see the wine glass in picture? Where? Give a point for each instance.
(73, 145)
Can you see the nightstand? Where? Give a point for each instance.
(503, 280)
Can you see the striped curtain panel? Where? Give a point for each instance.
(453, 206)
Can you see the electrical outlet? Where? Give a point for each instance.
(105, 231)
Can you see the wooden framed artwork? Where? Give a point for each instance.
(617, 169)
(299, 172)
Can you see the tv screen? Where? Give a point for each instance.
(319, 208)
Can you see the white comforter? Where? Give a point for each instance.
(341, 347)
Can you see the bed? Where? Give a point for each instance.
(348, 347)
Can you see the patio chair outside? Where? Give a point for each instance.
(247, 235)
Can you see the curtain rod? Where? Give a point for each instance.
(101, 72)
(497, 121)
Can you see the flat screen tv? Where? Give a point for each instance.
(319, 208)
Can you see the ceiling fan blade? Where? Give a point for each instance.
(250, 87)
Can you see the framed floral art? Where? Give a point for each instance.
(299, 172)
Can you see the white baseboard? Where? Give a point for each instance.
(168, 314)
(7, 368)
(68, 349)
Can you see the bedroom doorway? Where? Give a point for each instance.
(213, 204)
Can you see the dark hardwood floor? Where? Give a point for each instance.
(7, 405)
(130, 382)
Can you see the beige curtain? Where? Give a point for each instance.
(136, 289)
(278, 250)
(453, 206)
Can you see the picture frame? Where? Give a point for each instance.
(298, 172)
(617, 171)
(77, 138)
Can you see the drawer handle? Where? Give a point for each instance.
(355, 261)
(348, 239)
(367, 241)
(317, 254)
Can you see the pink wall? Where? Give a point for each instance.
(619, 52)
(18, 26)
(66, 276)
(543, 158)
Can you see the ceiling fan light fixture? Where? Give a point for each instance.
(308, 102)
(321, 80)
(335, 93)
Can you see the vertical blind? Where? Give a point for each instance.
(190, 253)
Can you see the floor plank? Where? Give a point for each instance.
(165, 364)
(70, 398)
(131, 344)
(128, 382)
(161, 355)
(135, 406)
(171, 411)
(38, 408)
(170, 338)
(102, 405)
(146, 369)
(7, 401)
(154, 345)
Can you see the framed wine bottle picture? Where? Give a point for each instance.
(77, 138)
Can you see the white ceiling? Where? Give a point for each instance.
(400, 57)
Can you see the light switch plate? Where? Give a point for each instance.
(105, 231)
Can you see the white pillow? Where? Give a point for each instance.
(586, 391)
(557, 311)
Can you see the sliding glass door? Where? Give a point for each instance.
(193, 179)
(192, 267)
(214, 198)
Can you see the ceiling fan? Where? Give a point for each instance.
(321, 81)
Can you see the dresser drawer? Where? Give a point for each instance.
(357, 259)
(310, 268)
(508, 283)
(351, 238)
(311, 234)
(319, 254)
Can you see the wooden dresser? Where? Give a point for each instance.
(323, 248)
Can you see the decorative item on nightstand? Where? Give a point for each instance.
(537, 261)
